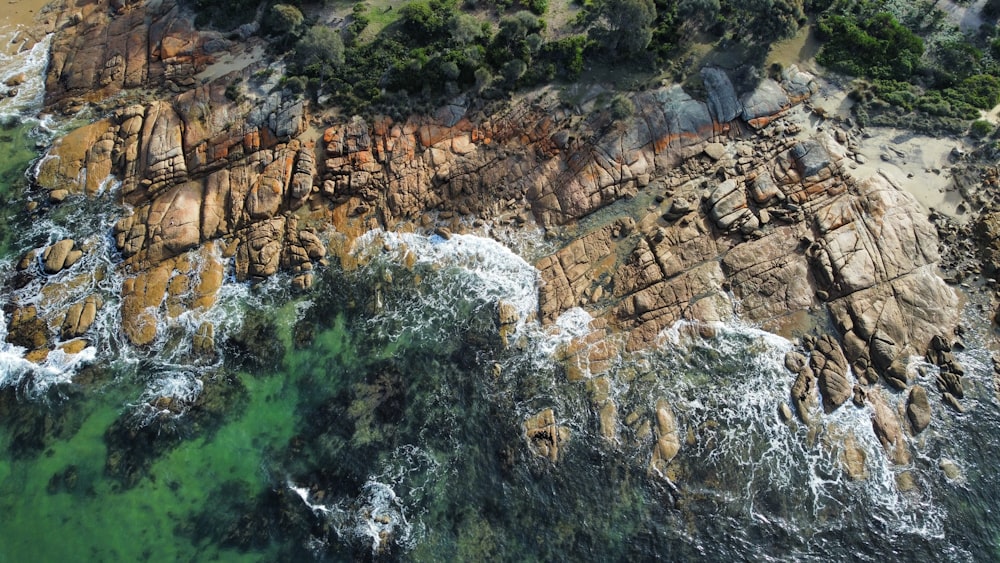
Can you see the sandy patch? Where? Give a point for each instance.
(920, 164)
(244, 56)
(20, 12)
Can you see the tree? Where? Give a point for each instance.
(698, 12)
(765, 21)
(285, 20)
(320, 51)
(426, 21)
(624, 27)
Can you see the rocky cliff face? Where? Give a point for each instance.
(698, 210)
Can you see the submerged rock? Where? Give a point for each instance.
(668, 441)
(918, 409)
(545, 438)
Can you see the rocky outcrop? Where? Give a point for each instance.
(80, 316)
(889, 430)
(716, 209)
(60, 255)
(828, 361)
(105, 46)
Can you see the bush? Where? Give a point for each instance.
(621, 107)
(980, 128)
(514, 70)
(224, 14)
(296, 84)
(876, 47)
(567, 55)
(980, 91)
(537, 6)
(284, 19)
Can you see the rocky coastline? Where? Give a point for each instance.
(741, 206)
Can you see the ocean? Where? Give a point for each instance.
(379, 417)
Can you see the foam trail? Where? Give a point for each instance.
(378, 515)
(32, 64)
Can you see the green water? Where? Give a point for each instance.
(17, 150)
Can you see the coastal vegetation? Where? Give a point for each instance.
(912, 67)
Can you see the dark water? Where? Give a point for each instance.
(379, 417)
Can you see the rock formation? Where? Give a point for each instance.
(719, 209)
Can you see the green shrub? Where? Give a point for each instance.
(980, 91)
(513, 70)
(320, 51)
(284, 20)
(296, 84)
(537, 6)
(876, 47)
(980, 128)
(224, 14)
(621, 107)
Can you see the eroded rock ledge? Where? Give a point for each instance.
(715, 209)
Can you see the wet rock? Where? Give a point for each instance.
(852, 458)
(918, 409)
(950, 382)
(859, 396)
(302, 282)
(74, 346)
(545, 437)
(80, 316)
(668, 441)
(312, 244)
(607, 411)
(952, 402)
(950, 469)
(804, 394)
(203, 341)
(55, 257)
(897, 374)
(795, 362)
(15, 80)
(507, 319)
(888, 430)
(828, 361)
(27, 329)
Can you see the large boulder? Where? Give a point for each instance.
(722, 100)
(918, 409)
(829, 362)
(668, 441)
(60, 255)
